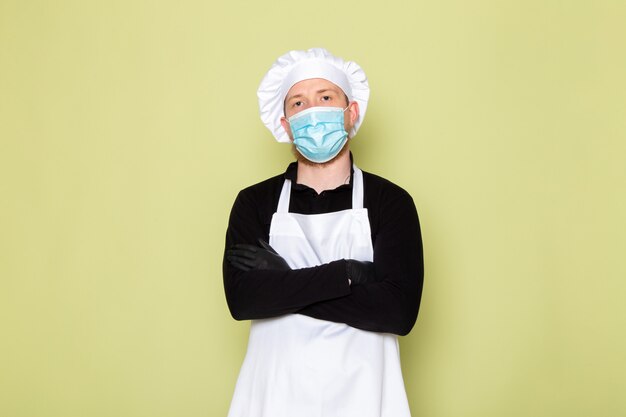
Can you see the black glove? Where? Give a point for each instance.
(247, 257)
(360, 272)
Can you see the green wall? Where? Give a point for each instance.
(128, 127)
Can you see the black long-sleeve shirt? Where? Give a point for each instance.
(389, 305)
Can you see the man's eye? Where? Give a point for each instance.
(326, 98)
(297, 104)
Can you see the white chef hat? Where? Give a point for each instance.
(296, 66)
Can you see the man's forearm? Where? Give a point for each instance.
(259, 294)
(384, 307)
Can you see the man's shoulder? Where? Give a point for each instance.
(263, 189)
(377, 185)
(269, 182)
(387, 200)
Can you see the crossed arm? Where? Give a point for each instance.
(387, 303)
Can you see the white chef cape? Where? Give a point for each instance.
(298, 366)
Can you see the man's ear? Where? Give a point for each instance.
(285, 124)
(353, 108)
(353, 113)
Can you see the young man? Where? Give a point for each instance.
(326, 260)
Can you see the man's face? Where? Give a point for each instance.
(317, 92)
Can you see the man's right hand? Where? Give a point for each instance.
(247, 257)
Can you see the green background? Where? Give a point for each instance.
(128, 127)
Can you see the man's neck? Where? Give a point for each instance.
(327, 176)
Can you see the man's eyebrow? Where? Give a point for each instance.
(317, 92)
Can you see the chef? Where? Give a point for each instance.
(324, 259)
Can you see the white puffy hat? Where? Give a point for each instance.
(296, 66)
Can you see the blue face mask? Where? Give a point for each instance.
(318, 133)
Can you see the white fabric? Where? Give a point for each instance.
(295, 66)
(298, 366)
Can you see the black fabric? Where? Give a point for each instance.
(388, 305)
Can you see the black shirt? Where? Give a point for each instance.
(389, 305)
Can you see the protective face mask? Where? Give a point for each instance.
(318, 132)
